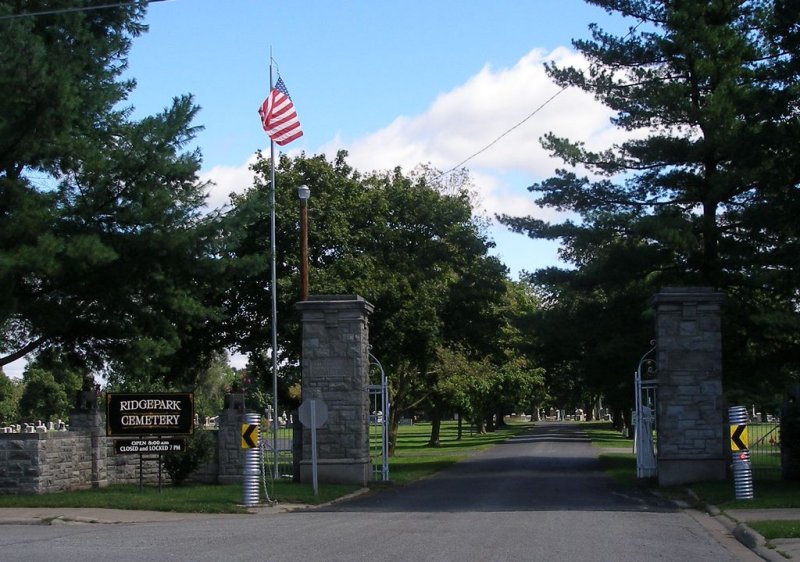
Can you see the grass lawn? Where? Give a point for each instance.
(619, 466)
(604, 435)
(776, 529)
(622, 468)
(769, 493)
(182, 499)
(413, 460)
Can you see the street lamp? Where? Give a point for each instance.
(303, 192)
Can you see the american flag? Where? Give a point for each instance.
(279, 117)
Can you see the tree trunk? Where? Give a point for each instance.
(460, 426)
(500, 417)
(436, 427)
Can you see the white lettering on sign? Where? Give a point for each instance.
(150, 419)
(144, 446)
(150, 404)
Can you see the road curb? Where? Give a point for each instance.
(21, 522)
(740, 531)
(745, 535)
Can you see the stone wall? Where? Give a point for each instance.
(83, 457)
(39, 462)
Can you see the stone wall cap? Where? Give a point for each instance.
(687, 294)
(687, 289)
(36, 436)
(335, 298)
(335, 301)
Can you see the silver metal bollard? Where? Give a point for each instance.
(252, 467)
(740, 454)
(737, 415)
(742, 475)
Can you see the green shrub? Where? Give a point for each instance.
(199, 448)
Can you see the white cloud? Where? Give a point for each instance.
(226, 180)
(463, 121)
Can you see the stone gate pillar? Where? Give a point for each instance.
(690, 408)
(87, 417)
(230, 455)
(335, 369)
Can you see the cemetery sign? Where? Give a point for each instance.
(168, 413)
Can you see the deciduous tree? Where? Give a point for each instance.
(413, 251)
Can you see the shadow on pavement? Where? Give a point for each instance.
(551, 468)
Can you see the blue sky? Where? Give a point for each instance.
(400, 83)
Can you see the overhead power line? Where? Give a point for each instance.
(76, 9)
(491, 144)
(531, 114)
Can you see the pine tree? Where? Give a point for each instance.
(705, 189)
(103, 248)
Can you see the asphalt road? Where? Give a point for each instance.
(541, 496)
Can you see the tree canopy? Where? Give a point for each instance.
(703, 192)
(103, 248)
(110, 262)
(410, 247)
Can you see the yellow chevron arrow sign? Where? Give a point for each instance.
(249, 436)
(739, 438)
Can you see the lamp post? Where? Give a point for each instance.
(303, 192)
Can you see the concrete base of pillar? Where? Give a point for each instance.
(678, 471)
(337, 471)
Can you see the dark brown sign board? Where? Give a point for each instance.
(149, 445)
(166, 413)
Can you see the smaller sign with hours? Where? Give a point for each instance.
(148, 446)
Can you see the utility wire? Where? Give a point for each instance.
(496, 140)
(531, 114)
(76, 9)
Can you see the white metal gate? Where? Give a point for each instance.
(644, 417)
(379, 425)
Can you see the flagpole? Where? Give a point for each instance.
(274, 294)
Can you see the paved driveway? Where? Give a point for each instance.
(541, 496)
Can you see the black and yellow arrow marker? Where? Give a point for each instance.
(739, 441)
(249, 435)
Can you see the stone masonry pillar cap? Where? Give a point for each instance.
(316, 302)
(687, 294)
